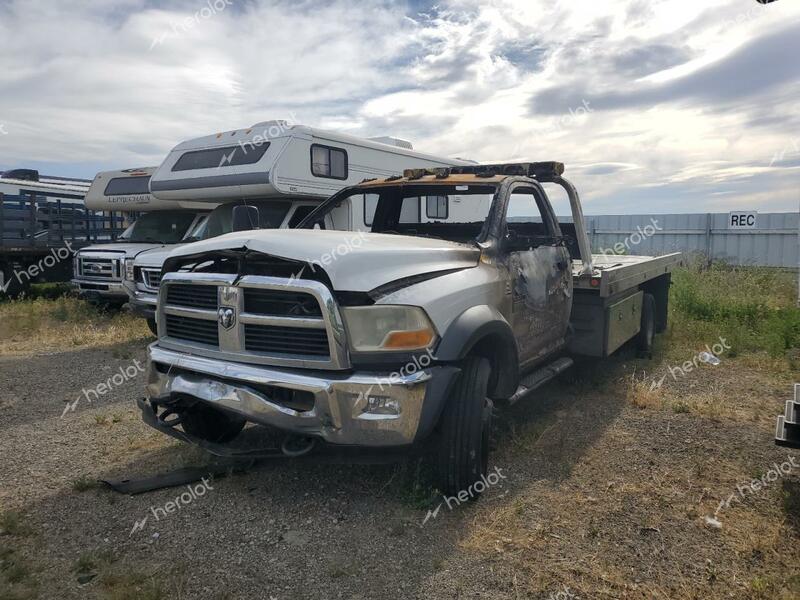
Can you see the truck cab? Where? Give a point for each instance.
(405, 336)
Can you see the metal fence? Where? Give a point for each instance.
(774, 241)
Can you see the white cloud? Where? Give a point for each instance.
(82, 87)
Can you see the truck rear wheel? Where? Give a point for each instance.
(647, 330)
(465, 430)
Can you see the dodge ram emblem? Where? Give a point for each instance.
(226, 317)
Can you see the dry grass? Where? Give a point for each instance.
(65, 323)
(642, 393)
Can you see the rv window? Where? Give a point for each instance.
(126, 186)
(436, 207)
(229, 156)
(328, 162)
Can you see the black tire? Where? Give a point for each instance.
(151, 324)
(466, 426)
(647, 330)
(210, 424)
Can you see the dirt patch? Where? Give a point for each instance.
(601, 499)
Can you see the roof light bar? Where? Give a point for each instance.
(537, 170)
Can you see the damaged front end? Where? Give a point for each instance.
(247, 338)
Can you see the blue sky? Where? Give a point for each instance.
(655, 106)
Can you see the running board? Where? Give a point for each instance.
(540, 377)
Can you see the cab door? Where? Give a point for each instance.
(540, 274)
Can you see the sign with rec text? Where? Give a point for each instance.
(742, 219)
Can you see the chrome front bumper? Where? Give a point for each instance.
(91, 288)
(143, 303)
(361, 409)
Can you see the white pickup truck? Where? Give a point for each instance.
(406, 339)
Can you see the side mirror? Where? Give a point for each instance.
(244, 218)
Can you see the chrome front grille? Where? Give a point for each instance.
(192, 330)
(254, 319)
(151, 278)
(100, 267)
(286, 340)
(193, 296)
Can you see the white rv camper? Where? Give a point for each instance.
(99, 270)
(283, 170)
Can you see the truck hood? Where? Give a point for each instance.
(355, 261)
(130, 250)
(155, 257)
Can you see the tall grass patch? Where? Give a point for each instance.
(754, 308)
(62, 323)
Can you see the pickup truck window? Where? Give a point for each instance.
(300, 213)
(398, 210)
(270, 213)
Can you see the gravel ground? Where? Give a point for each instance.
(600, 499)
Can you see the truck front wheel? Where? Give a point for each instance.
(465, 430)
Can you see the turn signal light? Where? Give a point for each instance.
(399, 340)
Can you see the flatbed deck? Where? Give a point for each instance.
(614, 274)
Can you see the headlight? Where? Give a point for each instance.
(383, 327)
(76, 265)
(129, 269)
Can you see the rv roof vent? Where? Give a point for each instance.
(21, 174)
(392, 141)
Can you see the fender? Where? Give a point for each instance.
(479, 324)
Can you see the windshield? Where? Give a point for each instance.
(271, 214)
(159, 227)
(448, 212)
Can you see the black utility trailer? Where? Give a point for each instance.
(40, 230)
